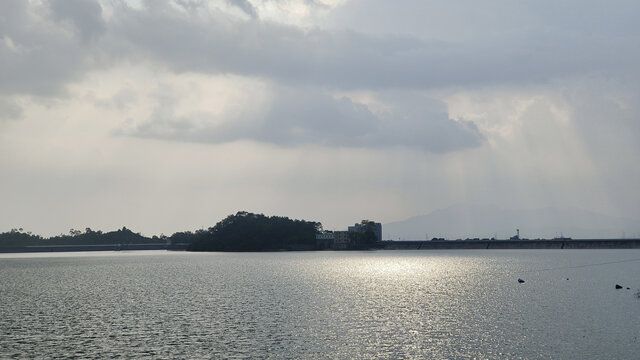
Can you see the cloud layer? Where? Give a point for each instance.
(526, 43)
(309, 117)
(272, 105)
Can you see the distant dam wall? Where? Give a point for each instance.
(513, 244)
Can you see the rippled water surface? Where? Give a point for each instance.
(341, 305)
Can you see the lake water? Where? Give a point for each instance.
(305, 305)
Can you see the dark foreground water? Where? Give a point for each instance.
(339, 305)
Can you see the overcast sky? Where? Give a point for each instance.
(166, 116)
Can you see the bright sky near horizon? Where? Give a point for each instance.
(166, 116)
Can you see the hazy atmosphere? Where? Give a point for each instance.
(165, 116)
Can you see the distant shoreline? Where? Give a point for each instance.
(385, 245)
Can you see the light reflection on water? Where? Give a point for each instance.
(384, 304)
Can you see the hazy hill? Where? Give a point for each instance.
(489, 221)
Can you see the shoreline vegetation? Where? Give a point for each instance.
(249, 232)
(242, 231)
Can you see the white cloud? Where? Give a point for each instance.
(9, 109)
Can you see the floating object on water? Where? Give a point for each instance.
(520, 280)
(618, 287)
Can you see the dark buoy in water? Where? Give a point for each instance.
(618, 287)
(520, 281)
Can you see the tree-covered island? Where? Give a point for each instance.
(246, 231)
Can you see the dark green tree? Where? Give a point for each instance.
(246, 231)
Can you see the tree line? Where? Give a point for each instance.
(243, 231)
(18, 238)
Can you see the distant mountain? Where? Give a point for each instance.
(490, 221)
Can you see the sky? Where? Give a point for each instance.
(166, 116)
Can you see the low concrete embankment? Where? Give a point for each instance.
(103, 247)
(514, 244)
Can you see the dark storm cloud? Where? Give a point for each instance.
(314, 118)
(525, 44)
(40, 53)
(86, 16)
(245, 6)
(348, 59)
